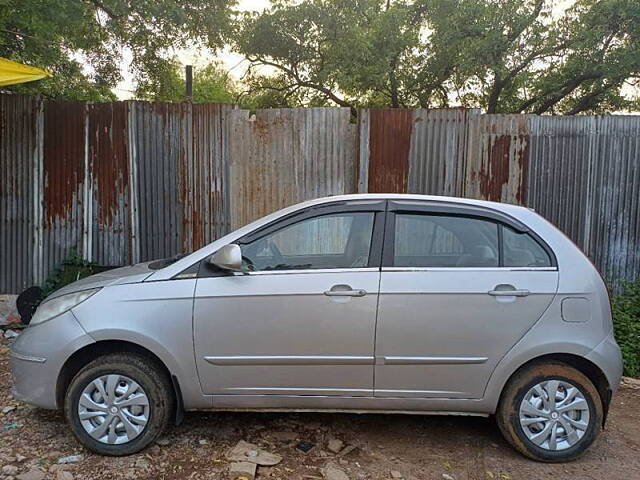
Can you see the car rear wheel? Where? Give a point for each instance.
(118, 404)
(550, 412)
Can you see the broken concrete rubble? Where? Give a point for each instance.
(242, 471)
(248, 452)
(331, 471)
(335, 445)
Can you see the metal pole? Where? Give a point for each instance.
(189, 81)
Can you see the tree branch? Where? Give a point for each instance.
(589, 100)
(105, 9)
(512, 36)
(499, 82)
(292, 72)
(556, 97)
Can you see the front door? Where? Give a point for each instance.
(300, 318)
(457, 291)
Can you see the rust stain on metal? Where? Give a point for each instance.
(108, 157)
(389, 145)
(200, 116)
(497, 174)
(63, 162)
(522, 154)
(508, 163)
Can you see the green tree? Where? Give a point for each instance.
(517, 57)
(499, 55)
(348, 52)
(82, 42)
(211, 83)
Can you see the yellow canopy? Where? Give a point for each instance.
(14, 72)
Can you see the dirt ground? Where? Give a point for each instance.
(386, 446)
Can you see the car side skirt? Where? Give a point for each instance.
(326, 403)
(345, 410)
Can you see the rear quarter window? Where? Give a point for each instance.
(522, 250)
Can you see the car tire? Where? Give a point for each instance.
(127, 390)
(575, 415)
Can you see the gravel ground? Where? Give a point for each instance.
(377, 446)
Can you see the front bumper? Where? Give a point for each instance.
(38, 355)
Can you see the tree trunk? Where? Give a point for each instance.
(494, 95)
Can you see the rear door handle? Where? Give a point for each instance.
(509, 293)
(345, 293)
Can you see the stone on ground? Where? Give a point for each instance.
(335, 445)
(248, 452)
(242, 471)
(331, 471)
(10, 470)
(33, 474)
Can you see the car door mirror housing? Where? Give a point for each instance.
(228, 257)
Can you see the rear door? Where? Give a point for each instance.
(459, 287)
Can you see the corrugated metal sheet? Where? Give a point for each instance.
(107, 214)
(585, 178)
(20, 184)
(615, 230)
(161, 134)
(129, 181)
(436, 158)
(559, 177)
(207, 199)
(384, 145)
(496, 159)
(415, 151)
(65, 179)
(283, 156)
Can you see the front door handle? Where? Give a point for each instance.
(344, 291)
(509, 293)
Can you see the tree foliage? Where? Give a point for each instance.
(499, 55)
(211, 83)
(82, 42)
(507, 56)
(625, 308)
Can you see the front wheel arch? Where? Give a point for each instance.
(105, 347)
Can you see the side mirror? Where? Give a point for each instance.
(228, 257)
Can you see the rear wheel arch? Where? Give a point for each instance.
(90, 352)
(535, 419)
(583, 365)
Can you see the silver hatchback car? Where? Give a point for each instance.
(363, 303)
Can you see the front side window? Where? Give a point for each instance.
(444, 241)
(340, 240)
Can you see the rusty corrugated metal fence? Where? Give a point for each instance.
(279, 157)
(581, 173)
(131, 181)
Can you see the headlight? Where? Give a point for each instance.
(53, 308)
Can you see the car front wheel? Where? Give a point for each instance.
(118, 404)
(550, 412)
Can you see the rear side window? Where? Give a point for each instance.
(445, 241)
(521, 250)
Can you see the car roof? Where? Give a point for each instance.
(409, 196)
